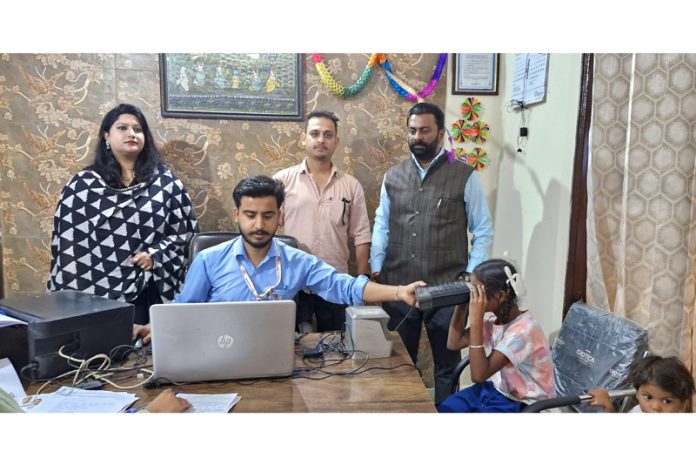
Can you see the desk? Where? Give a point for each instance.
(397, 390)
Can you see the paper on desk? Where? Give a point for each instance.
(73, 400)
(210, 403)
(9, 381)
(9, 321)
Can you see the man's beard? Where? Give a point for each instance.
(257, 245)
(424, 152)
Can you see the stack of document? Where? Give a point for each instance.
(72, 400)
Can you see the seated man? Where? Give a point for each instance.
(255, 266)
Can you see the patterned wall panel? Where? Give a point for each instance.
(641, 219)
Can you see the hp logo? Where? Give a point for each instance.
(225, 341)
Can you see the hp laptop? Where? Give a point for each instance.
(222, 340)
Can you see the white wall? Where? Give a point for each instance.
(529, 193)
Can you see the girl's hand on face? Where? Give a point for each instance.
(477, 302)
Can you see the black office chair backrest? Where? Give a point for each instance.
(595, 348)
(208, 239)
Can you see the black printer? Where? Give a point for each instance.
(83, 324)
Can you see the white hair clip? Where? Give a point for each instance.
(515, 282)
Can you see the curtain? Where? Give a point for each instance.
(641, 215)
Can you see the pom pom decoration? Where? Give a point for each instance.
(477, 158)
(457, 130)
(477, 132)
(470, 109)
(461, 154)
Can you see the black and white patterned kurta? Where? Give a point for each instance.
(97, 229)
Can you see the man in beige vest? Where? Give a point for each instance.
(323, 209)
(420, 232)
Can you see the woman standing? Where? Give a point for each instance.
(123, 224)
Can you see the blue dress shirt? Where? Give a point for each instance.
(214, 276)
(477, 214)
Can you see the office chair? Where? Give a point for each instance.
(594, 349)
(207, 239)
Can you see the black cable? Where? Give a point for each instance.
(32, 365)
(522, 140)
(354, 373)
(161, 381)
(326, 347)
(121, 352)
(323, 347)
(336, 347)
(51, 379)
(158, 382)
(392, 368)
(404, 318)
(325, 363)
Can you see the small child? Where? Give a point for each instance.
(663, 385)
(509, 357)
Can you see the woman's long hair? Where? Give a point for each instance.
(105, 163)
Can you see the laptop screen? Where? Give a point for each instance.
(222, 340)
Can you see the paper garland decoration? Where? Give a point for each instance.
(476, 132)
(336, 87)
(470, 109)
(460, 154)
(457, 131)
(469, 128)
(398, 85)
(478, 158)
(406, 91)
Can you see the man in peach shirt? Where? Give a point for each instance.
(323, 208)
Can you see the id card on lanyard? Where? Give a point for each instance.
(266, 294)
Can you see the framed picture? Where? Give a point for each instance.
(475, 73)
(263, 86)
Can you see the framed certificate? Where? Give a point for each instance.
(475, 73)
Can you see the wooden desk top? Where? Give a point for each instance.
(375, 390)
